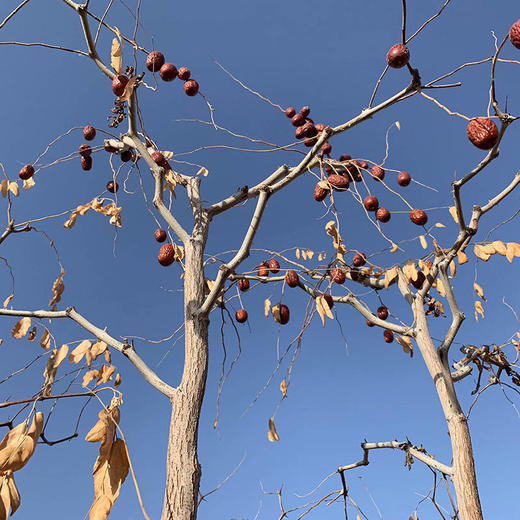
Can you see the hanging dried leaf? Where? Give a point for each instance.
(129, 89)
(9, 495)
(55, 360)
(453, 269)
(77, 354)
(4, 188)
(499, 247)
(97, 349)
(297, 253)
(117, 380)
(57, 289)
(28, 183)
(116, 55)
(480, 253)
(410, 271)
(479, 290)
(453, 213)
(8, 300)
(406, 343)
(203, 171)
(105, 374)
(323, 309)
(89, 376)
(272, 434)
(390, 276)
(394, 248)
(21, 328)
(310, 254)
(170, 182)
(107, 356)
(304, 254)
(267, 307)
(513, 249)
(461, 257)
(331, 230)
(478, 310)
(14, 189)
(398, 124)
(440, 287)
(45, 340)
(283, 387)
(424, 243)
(439, 225)
(32, 334)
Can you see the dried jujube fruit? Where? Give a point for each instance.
(263, 269)
(243, 284)
(371, 203)
(383, 215)
(168, 72)
(338, 275)
(419, 217)
(241, 316)
(89, 132)
(26, 172)
(514, 34)
(274, 265)
(160, 235)
(338, 182)
(382, 312)
(112, 186)
(86, 163)
(118, 84)
(166, 255)
(291, 278)
(388, 335)
(378, 173)
(328, 298)
(359, 259)
(482, 132)
(154, 61)
(191, 88)
(184, 73)
(398, 56)
(319, 193)
(403, 179)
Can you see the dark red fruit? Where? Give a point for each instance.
(371, 203)
(403, 179)
(290, 112)
(263, 269)
(84, 150)
(319, 193)
(191, 88)
(338, 275)
(26, 172)
(243, 284)
(274, 265)
(320, 127)
(241, 316)
(184, 73)
(419, 217)
(126, 155)
(383, 215)
(328, 298)
(166, 255)
(118, 84)
(419, 281)
(109, 148)
(305, 111)
(299, 133)
(388, 335)
(382, 312)
(359, 259)
(86, 163)
(326, 149)
(370, 324)
(514, 34)
(338, 182)
(89, 132)
(168, 72)
(309, 130)
(154, 61)
(284, 314)
(378, 173)
(298, 120)
(363, 165)
(482, 132)
(310, 141)
(398, 56)
(112, 186)
(160, 235)
(158, 158)
(291, 278)
(344, 157)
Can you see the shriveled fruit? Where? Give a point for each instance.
(382, 312)
(168, 72)
(89, 132)
(191, 88)
(298, 120)
(310, 141)
(291, 278)
(86, 163)
(241, 316)
(328, 298)
(378, 173)
(243, 284)
(383, 215)
(403, 179)
(482, 132)
(283, 314)
(84, 150)
(388, 335)
(112, 186)
(326, 149)
(305, 111)
(419, 217)
(166, 255)
(299, 132)
(514, 34)
(371, 203)
(370, 324)
(158, 158)
(154, 61)
(338, 182)
(160, 235)
(184, 73)
(118, 84)
(274, 265)
(290, 112)
(309, 130)
(418, 282)
(126, 155)
(320, 127)
(263, 269)
(344, 157)
(338, 275)
(398, 56)
(359, 259)
(26, 172)
(319, 193)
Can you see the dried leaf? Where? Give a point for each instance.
(453, 269)
(129, 89)
(479, 290)
(406, 343)
(89, 376)
(4, 188)
(272, 434)
(398, 124)
(97, 349)
(424, 243)
(323, 309)
(203, 171)
(390, 276)
(57, 289)
(297, 253)
(54, 361)
(461, 257)
(107, 356)
(304, 254)
(21, 328)
(499, 247)
(117, 380)
(14, 189)
(439, 225)
(513, 249)
(394, 248)
(440, 287)
(45, 340)
(32, 334)
(8, 300)
(453, 213)
(478, 310)
(105, 374)
(116, 55)
(310, 254)
(28, 183)
(331, 230)
(283, 387)
(267, 307)
(410, 271)
(479, 253)
(77, 354)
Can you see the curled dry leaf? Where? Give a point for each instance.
(89, 376)
(8, 300)
(461, 257)
(105, 374)
(424, 243)
(390, 276)
(406, 343)
(57, 289)
(116, 56)
(453, 213)
(117, 380)
(410, 271)
(480, 253)
(479, 290)
(283, 387)
(267, 307)
(45, 340)
(513, 249)
(394, 248)
(439, 225)
(21, 328)
(323, 309)
(340, 248)
(28, 183)
(129, 88)
(32, 334)
(97, 349)
(203, 171)
(272, 434)
(170, 182)
(9, 495)
(4, 188)
(77, 354)
(14, 189)
(55, 360)
(478, 310)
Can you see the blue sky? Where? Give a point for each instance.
(343, 390)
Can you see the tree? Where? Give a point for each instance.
(213, 283)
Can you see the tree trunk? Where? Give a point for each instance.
(464, 476)
(183, 470)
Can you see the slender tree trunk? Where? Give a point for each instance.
(464, 476)
(183, 471)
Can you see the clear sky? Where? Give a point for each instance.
(347, 383)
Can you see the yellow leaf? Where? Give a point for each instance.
(398, 124)
(323, 309)
(304, 254)
(97, 349)
(57, 289)
(28, 183)
(479, 290)
(478, 310)
(513, 249)
(499, 247)
(298, 254)
(272, 434)
(7, 300)
(394, 249)
(77, 354)
(283, 387)
(390, 276)
(21, 328)
(89, 376)
(453, 213)
(310, 254)
(422, 240)
(461, 257)
(267, 307)
(203, 171)
(14, 189)
(453, 269)
(439, 225)
(410, 271)
(480, 253)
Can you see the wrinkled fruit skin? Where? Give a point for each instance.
(86, 163)
(166, 255)
(388, 335)
(126, 156)
(243, 284)
(191, 87)
(371, 203)
(338, 275)
(383, 215)
(184, 73)
(241, 316)
(344, 157)
(298, 120)
(378, 173)
(419, 217)
(482, 132)
(274, 266)
(299, 132)
(168, 72)
(398, 56)
(263, 269)
(291, 278)
(382, 312)
(158, 158)
(154, 61)
(118, 84)
(514, 34)
(26, 172)
(89, 132)
(326, 149)
(284, 314)
(328, 298)
(310, 141)
(403, 179)
(84, 150)
(338, 182)
(112, 186)
(420, 280)
(319, 193)
(305, 111)
(359, 259)
(160, 235)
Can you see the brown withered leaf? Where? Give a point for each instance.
(480, 253)
(479, 290)
(461, 257)
(406, 343)
(21, 328)
(304, 254)
(323, 309)
(410, 271)
(440, 287)
(8, 300)
(9, 495)
(77, 354)
(331, 230)
(453, 269)
(272, 434)
(4, 188)
(55, 360)
(394, 248)
(478, 310)
(97, 349)
(57, 289)
(283, 387)
(32, 334)
(89, 376)
(390, 276)
(45, 340)
(424, 243)
(513, 249)
(117, 380)
(107, 356)
(116, 56)
(129, 88)
(105, 374)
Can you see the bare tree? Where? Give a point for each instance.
(207, 288)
